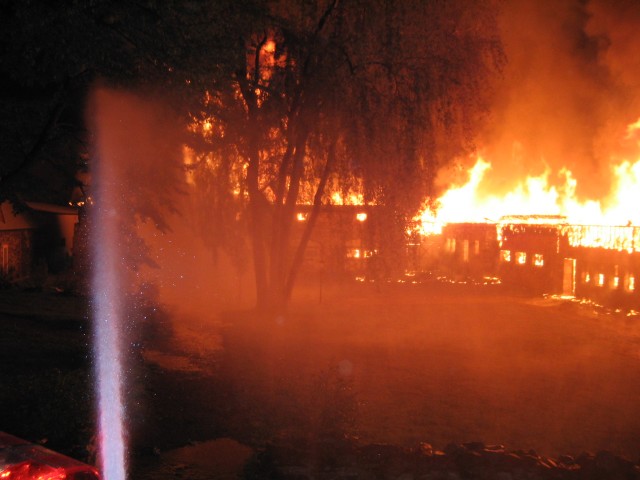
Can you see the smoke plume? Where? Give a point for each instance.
(567, 94)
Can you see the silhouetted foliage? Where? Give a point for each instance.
(356, 95)
(370, 96)
(52, 55)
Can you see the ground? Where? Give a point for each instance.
(398, 364)
(446, 364)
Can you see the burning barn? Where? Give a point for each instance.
(533, 254)
(469, 250)
(542, 254)
(535, 230)
(607, 263)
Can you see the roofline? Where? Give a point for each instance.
(52, 208)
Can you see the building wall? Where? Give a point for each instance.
(608, 277)
(531, 258)
(469, 250)
(35, 241)
(539, 259)
(345, 241)
(16, 255)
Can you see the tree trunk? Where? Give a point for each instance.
(306, 235)
(282, 226)
(257, 211)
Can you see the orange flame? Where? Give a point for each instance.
(535, 196)
(607, 222)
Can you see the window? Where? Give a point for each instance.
(538, 260)
(452, 244)
(505, 256)
(361, 217)
(600, 281)
(630, 283)
(5, 258)
(586, 277)
(476, 247)
(615, 281)
(465, 250)
(521, 258)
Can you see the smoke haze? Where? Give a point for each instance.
(424, 364)
(567, 93)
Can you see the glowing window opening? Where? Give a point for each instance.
(451, 245)
(538, 260)
(587, 277)
(476, 247)
(521, 258)
(615, 282)
(631, 283)
(600, 279)
(361, 217)
(301, 217)
(505, 256)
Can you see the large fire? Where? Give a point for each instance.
(610, 222)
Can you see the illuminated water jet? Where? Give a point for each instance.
(109, 372)
(108, 315)
(107, 298)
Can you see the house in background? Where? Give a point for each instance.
(352, 241)
(341, 242)
(35, 241)
(17, 237)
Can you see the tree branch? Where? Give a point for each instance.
(31, 156)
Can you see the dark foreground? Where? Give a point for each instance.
(402, 382)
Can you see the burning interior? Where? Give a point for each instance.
(545, 258)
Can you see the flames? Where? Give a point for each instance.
(604, 236)
(549, 198)
(610, 222)
(339, 198)
(535, 197)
